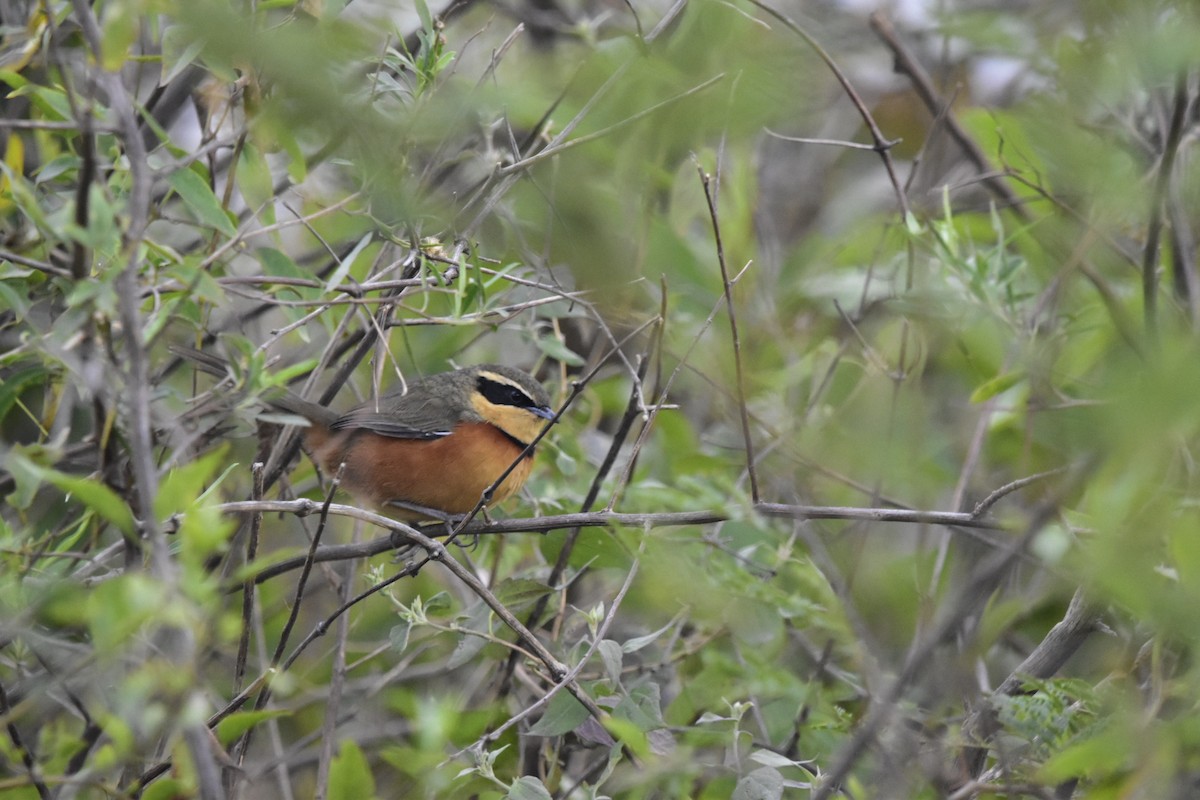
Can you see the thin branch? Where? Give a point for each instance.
(834, 142)
(905, 63)
(986, 503)
(1052, 652)
(141, 439)
(337, 685)
(542, 701)
(593, 519)
(632, 412)
(438, 553)
(243, 654)
(40, 266)
(556, 149)
(52, 125)
(1044, 661)
(558, 671)
(1162, 185)
(264, 696)
(710, 196)
(80, 253)
(309, 561)
(22, 750)
(975, 591)
(882, 145)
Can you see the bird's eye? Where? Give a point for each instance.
(503, 394)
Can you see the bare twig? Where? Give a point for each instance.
(33, 263)
(80, 253)
(141, 439)
(239, 671)
(545, 698)
(834, 142)
(1052, 652)
(22, 751)
(986, 503)
(1043, 662)
(264, 696)
(303, 507)
(884, 704)
(308, 563)
(1162, 186)
(710, 195)
(923, 85)
(882, 145)
(52, 125)
(632, 412)
(337, 683)
(556, 149)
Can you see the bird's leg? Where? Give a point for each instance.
(424, 512)
(434, 517)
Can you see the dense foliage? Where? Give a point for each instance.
(875, 345)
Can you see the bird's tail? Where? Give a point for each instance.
(278, 397)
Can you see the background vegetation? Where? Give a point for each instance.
(875, 339)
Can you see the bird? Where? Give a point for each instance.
(427, 450)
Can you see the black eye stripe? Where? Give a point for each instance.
(503, 394)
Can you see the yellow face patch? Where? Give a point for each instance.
(519, 423)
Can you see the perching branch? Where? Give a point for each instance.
(594, 519)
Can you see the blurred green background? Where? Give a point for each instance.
(994, 302)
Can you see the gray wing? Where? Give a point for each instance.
(400, 416)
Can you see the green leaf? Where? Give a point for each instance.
(9, 297)
(297, 164)
(518, 593)
(557, 350)
(424, 15)
(119, 608)
(12, 78)
(527, 787)
(50, 100)
(165, 789)
(630, 735)
(19, 193)
(98, 497)
(398, 636)
(438, 603)
(765, 783)
(1109, 751)
(230, 729)
(15, 383)
(179, 50)
(563, 715)
(277, 263)
(182, 486)
(255, 184)
(343, 268)
(478, 624)
(119, 30)
(95, 495)
(198, 196)
(611, 656)
(594, 547)
(350, 775)
(638, 642)
(997, 385)
(642, 707)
